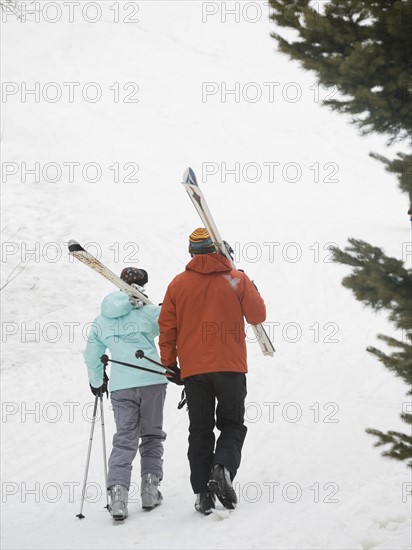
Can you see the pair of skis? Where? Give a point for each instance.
(196, 195)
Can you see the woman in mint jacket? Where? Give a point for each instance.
(124, 326)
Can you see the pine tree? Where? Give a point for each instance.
(364, 48)
(383, 283)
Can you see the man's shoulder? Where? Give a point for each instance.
(178, 278)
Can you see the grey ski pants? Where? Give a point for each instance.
(138, 413)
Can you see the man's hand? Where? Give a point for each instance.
(176, 377)
(101, 389)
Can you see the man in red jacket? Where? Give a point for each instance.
(202, 324)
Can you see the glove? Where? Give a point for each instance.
(176, 377)
(135, 301)
(229, 249)
(101, 389)
(253, 282)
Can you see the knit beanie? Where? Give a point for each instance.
(200, 242)
(133, 275)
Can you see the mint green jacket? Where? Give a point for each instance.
(123, 329)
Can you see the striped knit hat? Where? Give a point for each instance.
(200, 242)
(133, 275)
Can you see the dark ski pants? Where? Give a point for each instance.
(228, 389)
(138, 413)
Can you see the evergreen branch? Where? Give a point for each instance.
(400, 444)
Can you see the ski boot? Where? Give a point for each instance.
(220, 484)
(151, 496)
(205, 502)
(118, 502)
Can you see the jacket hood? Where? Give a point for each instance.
(209, 263)
(116, 305)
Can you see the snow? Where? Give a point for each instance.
(310, 477)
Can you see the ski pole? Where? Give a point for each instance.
(140, 354)
(80, 514)
(105, 359)
(104, 439)
(104, 449)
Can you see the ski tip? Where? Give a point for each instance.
(189, 177)
(74, 246)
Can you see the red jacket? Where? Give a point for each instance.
(201, 321)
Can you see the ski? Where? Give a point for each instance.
(199, 202)
(78, 252)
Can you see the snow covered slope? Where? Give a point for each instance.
(109, 174)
